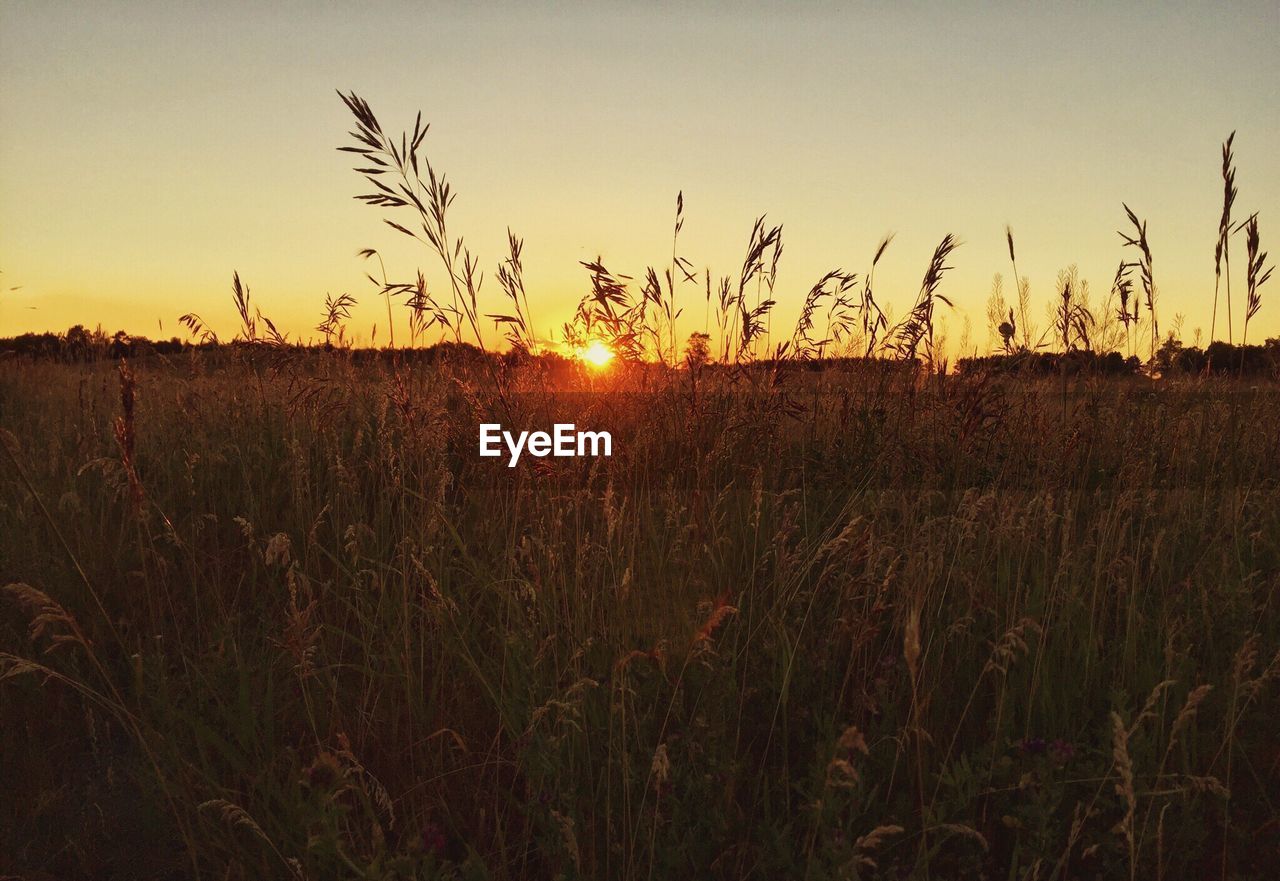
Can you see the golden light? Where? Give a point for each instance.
(597, 354)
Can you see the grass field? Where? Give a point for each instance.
(278, 619)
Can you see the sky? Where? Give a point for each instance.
(148, 150)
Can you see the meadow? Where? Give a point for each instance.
(859, 626)
(266, 612)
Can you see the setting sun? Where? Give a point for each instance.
(597, 354)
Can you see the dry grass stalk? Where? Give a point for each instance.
(868, 844)
(1222, 250)
(1124, 767)
(1257, 274)
(1138, 240)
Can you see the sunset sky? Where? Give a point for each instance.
(147, 150)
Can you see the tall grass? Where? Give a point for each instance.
(1222, 248)
(390, 656)
(1257, 273)
(1138, 240)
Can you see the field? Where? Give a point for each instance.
(274, 617)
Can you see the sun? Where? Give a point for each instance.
(597, 354)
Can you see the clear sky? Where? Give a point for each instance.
(147, 150)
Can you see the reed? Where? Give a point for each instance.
(1138, 240)
(1222, 249)
(1257, 273)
